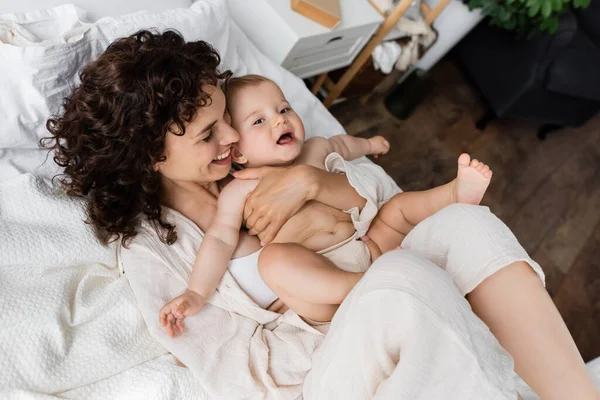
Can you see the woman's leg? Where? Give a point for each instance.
(308, 283)
(519, 311)
(406, 332)
(505, 288)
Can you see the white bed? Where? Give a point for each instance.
(69, 326)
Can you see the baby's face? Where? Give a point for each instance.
(271, 133)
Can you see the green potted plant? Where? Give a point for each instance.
(526, 17)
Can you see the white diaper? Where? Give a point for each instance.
(245, 272)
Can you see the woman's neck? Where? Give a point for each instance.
(197, 202)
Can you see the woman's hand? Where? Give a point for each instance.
(281, 193)
(173, 313)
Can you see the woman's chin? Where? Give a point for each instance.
(220, 171)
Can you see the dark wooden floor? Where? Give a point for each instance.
(547, 192)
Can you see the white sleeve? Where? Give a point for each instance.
(231, 355)
(213, 340)
(370, 181)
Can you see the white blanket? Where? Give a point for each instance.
(68, 319)
(36, 78)
(70, 326)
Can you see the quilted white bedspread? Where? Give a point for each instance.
(69, 324)
(68, 319)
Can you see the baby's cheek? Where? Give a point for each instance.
(247, 147)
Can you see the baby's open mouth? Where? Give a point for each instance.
(286, 138)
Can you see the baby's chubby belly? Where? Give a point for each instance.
(317, 227)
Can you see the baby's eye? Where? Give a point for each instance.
(259, 121)
(285, 110)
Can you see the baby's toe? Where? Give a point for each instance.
(464, 160)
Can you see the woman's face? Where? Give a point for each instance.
(203, 154)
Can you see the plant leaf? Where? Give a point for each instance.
(554, 23)
(581, 3)
(503, 15)
(533, 10)
(546, 8)
(489, 9)
(544, 25)
(527, 18)
(511, 24)
(557, 5)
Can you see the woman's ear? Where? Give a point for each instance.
(238, 157)
(157, 164)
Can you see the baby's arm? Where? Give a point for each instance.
(216, 249)
(221, 238)
(349, 147)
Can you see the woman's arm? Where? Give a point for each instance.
(335, 190)
(282, 191)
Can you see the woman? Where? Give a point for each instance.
(146, 139)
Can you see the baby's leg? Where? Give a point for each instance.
(405, 210)
(307, 282)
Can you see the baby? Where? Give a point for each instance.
(316, 258)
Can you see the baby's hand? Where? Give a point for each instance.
(173, 313)
(379, 145)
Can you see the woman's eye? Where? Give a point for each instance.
(285, 110)
(259, 121)
(209, 137)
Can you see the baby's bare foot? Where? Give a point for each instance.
(471, 181)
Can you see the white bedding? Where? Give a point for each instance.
(69, 325)
(36, 76)
(69, 320)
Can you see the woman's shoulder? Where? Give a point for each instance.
(147, 243)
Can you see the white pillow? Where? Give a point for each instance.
(36, 76)
(41, 25)
(97, 9)
(35, 79)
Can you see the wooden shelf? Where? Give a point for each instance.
(390, 21)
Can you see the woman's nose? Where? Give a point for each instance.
(229, 136)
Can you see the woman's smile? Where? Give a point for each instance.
(223, 158)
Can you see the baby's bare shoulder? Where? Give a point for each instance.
(316, 143)
(314, 152)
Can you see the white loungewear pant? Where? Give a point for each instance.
(407, 332)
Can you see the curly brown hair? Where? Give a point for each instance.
(113, 126)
